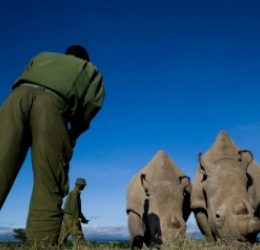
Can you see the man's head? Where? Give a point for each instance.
(80, 183)
(77, 51)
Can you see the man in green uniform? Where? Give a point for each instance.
(51, 105)
(73, 216)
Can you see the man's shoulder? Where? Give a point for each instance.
(56, 57)
(92, 69)
(50, 55)
(74, 192)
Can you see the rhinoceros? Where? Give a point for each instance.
(158, 202)
(225, 197)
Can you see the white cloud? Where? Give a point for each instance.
(106, 232)
(7, 234)
(99, 233)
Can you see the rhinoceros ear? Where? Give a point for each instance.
(206, 167)
(147, 186)
(245, 157)
(185, 183)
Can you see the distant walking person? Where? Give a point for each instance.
(52, 103)
(73, 216)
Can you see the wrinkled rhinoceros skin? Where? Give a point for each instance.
(158, 202)
(225, 196)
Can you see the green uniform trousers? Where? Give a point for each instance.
(34, 117)
(71, 226)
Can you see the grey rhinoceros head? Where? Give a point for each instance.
(230, 208)
(163, 208)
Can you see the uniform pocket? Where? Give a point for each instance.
(64, 161)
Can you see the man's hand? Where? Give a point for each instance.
(85, 221)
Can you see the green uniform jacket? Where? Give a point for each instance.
(72, 204)
(77, 81)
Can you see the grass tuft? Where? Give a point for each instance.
(181, 244)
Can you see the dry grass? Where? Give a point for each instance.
(185, 244)
(205, 245)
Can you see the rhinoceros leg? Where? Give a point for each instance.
(202, 221)
(136, 230)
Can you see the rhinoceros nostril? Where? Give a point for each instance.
(217, 216)
(241, 209)
(174, 223)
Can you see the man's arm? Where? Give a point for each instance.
(89, 107)
(83, 218)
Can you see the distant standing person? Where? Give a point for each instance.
(73, 216)
(52, 103)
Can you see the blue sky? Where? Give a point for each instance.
(176, 73)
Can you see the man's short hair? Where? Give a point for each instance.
(78, 51)
(81, 181)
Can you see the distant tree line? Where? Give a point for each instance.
(19, 234)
